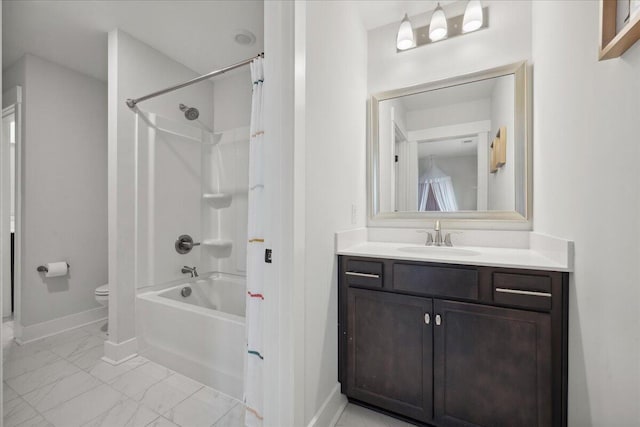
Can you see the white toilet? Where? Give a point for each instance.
(102, 296)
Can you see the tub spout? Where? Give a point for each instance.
(190, 270)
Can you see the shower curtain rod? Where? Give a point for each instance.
(131, 103)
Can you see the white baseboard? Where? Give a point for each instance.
(25, 334)
(116, 353)
(331, 409)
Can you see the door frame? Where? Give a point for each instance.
(12, 103)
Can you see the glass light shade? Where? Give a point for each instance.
(472, 16)
(405, 38)
(438, 27)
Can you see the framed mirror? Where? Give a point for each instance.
(456, 149)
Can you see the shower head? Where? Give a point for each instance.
(190, 113)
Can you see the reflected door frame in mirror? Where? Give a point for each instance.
(506, 220)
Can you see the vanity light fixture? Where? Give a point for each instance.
(438, 27)
(472, 16)
(405, 39)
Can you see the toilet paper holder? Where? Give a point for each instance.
(44, 269)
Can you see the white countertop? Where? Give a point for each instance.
(525, 258)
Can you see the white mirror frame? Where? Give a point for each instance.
(500, 220)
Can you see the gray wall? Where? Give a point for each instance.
(64, 186)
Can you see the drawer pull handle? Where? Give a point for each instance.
(353, 273)
(519, 292)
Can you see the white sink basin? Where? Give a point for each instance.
(438, 251)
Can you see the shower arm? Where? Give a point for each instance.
(131, 103)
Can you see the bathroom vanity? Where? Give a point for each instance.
(453, 344)
(470, 335)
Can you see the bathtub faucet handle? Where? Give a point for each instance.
(190, 270)
(184, 244)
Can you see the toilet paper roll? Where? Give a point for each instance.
(56, 269)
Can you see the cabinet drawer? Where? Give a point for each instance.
(364, 273)
(522, 290)
(436, 281)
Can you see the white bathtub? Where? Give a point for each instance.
(201, 335)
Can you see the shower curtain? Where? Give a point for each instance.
(253, 387)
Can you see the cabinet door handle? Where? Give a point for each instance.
(353, 273)
(438, 320)
(521, 292)
(427, 318)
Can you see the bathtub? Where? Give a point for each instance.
(201, 335)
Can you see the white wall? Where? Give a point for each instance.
(232, 100)
(507, 40)
(455, 114)
(335, 144)
(586, 180)
(136, 69)
(64, 187)
(501, 194)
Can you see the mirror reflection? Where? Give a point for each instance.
(451, 149)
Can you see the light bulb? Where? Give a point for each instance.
(438, 27)
(472, 16)
(405, 38)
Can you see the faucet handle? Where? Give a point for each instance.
(429, 241)
(447, 240)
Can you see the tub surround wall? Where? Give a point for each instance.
(136, 69)
(580, 195)
(65, 194)
(169, 204)
(229, 172)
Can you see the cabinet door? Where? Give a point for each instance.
(390, 353)
(492, 366)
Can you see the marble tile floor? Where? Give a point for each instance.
(357, 416)
(61, 381)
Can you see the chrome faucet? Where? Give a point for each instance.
(438, 240)
(190, 270)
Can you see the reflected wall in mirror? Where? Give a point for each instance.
(459, 147)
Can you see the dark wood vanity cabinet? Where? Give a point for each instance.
(389, 349)
(492, 366)
(449, 345)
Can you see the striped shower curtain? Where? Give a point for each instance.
(253, 388)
